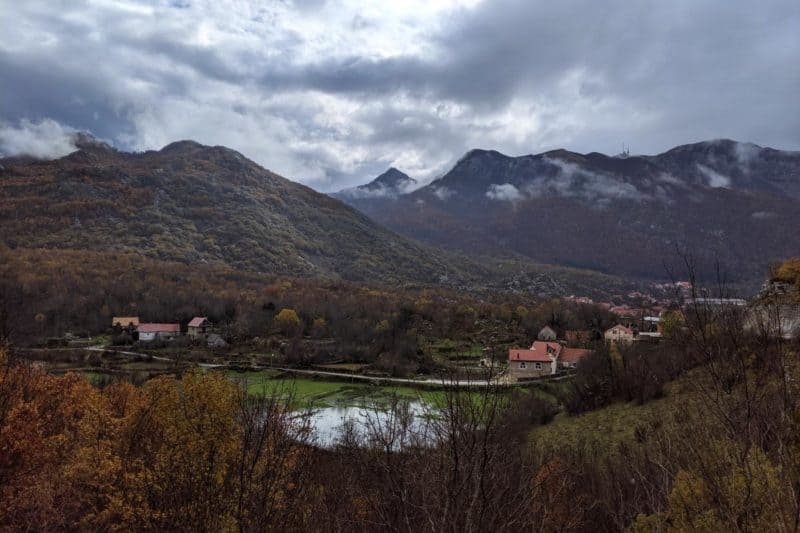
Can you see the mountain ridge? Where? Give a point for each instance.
(193, 203)
(718, 199)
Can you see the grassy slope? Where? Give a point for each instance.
(607, 427)
(603, 428)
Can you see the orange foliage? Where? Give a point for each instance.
(168, 456)
(788, 271)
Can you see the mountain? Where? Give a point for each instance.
(721, 200)
(390, 184)
(209, 204)
(195, 203)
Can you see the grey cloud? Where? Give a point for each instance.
(519, 76)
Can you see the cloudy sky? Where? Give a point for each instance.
(331, 93)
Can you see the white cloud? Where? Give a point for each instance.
(373, 192)
(572, 181)
(715, 179)
(670, 179)
(379, 190)
(504, 192)
(46, 139)
(443, 193)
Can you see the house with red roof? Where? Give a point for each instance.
(151, 332)
(199, 327)
(570, 357)
(541, 359)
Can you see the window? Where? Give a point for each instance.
(523, 365)
(538, 366)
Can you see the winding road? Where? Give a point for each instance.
(432, 382)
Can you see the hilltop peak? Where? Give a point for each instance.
(480, 154)
(182, 146)
(390, 184)
(394, 178)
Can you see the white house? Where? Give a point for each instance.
(151, 332)
(619, 334)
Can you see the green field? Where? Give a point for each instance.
(311, 392)
(321, 393)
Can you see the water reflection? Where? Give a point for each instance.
(402, 424)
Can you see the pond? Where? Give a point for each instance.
(355, 408)
(401, 425)
(362, 409)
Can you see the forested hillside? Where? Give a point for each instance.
(199, 204)
(722, 201)
(202, 205)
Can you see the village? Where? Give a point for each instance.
(199, 329)
(555, 352)
(549, 355)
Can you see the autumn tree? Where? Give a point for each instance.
(788, 271)
(288, 322)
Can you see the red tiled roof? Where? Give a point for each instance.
(538, 352)
(573, 355)
(197, 321)
(159, 328)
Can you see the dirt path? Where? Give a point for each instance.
(404, 381)
(499, 381)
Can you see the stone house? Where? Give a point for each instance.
(542, 359)
(547, 334)
(199, 327)
(537, 361)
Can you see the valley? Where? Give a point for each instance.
(479, 266)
